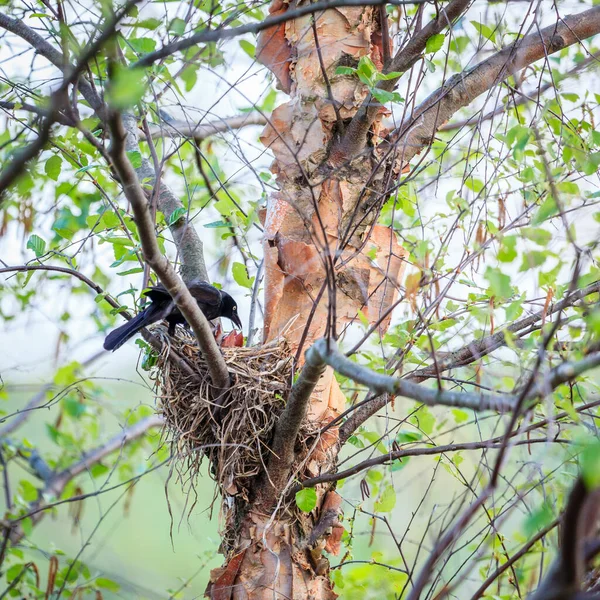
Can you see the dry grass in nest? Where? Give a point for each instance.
(236, 441)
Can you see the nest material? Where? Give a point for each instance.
(235, 438)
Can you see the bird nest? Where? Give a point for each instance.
(234, 437)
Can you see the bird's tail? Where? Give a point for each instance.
(115, 339)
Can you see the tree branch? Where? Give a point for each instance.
(57, 483)
(59, 96)
(215, 35)
(199, 131)
(464, 356)
(379, 383)
(288, 426)
(394, 455)
(417, 132)
(161, 265)
(355, 138)
(189, 245)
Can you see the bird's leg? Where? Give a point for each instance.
(171, 330)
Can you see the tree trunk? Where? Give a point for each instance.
(326, 263)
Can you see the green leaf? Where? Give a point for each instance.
(460, 416)
(190, 76)
(387, 501)
(374, 438)
(306, 499)
(590, 465)
(384, 96)
(538, 519)
(499, 283)
(53, 167)
(485, 31)
(135, 158)
(74, 408)
(345, 71)
(28, 491)
(177, 26)
(107, 584)
(424, 420)
(248, 48)
(177, 214)
(514, 310)
(240, 275)
(435, 42)
(545, 211)
(533, 259)
(37, 244)
(537, 235)
(217, 224)
(404, 437)
(508, 249)
(126, 88)
(366, 68)
(143, 45)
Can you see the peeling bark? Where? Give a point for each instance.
(320, 235)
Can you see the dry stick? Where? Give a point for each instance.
(159, 263)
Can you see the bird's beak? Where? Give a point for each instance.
(236, 321)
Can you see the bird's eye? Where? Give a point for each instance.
(235, 308)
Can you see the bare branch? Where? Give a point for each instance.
(380, 384)
(466, 355)
(59, 98)
(189, 244)
(355, 138)
(161, 265)
(56, 484)
(214, 35)
(395, 455)
(288, 426)
(19, 417)
(417, 132)
(199, 131)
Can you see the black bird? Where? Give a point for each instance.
(213, 303)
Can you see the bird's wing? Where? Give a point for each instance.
(204, 293)
(157, 293)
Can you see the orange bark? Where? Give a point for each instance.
(319, 214)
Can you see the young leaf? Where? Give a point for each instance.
(247, 47)
(37, 244)
(53, 167)
(435, 42)
(387, 500)
(177, 214)
(306, 499)
(107, 584)
(126, 88)
(240, 275)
